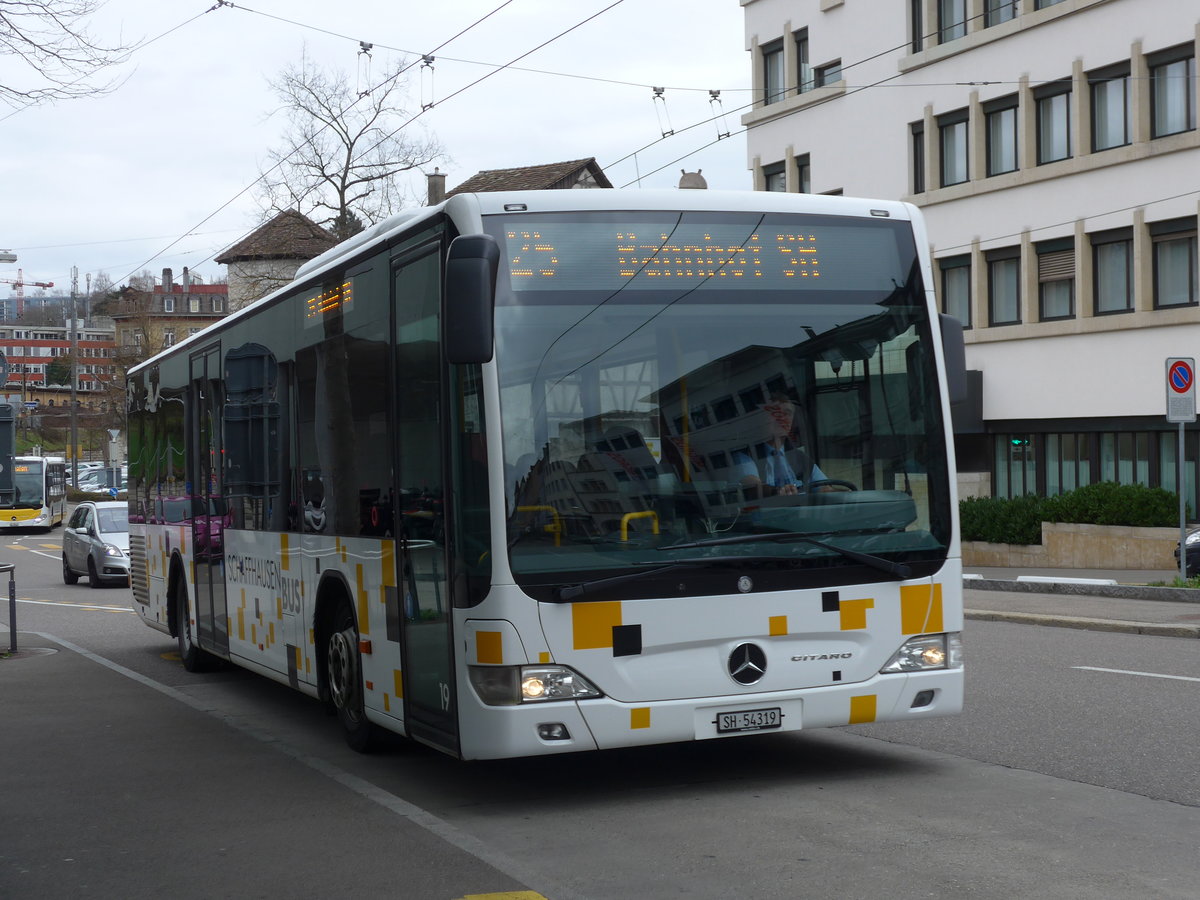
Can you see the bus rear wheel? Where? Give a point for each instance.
(194, 659)
(344, 670)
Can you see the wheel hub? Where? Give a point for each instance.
(343, 669)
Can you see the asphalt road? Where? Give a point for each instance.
(1059, 781)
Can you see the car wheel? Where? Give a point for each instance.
(93, 575)
(69, 577)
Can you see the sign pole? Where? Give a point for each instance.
(1182, 511)
(1181, 408)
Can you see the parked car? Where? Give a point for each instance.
(96, 543)
(1192, 543)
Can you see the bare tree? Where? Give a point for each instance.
(343, 149)
(56, 54)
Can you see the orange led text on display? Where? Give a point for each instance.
(328, 301)
(789, 256)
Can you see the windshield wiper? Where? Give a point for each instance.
(899, 570)
(569, 592)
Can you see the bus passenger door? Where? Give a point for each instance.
(204, 477)
(428, 658)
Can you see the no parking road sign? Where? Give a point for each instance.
(1181, 389)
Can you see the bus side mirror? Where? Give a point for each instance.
(954, 352)
(467, 322)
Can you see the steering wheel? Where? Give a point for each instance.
(837, 483)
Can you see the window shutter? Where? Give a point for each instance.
(1056, 266)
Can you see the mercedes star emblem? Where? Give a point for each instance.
(747, 663)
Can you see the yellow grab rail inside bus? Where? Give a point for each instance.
(644, 514)
(555, 528)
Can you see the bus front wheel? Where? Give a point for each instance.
(345, 679)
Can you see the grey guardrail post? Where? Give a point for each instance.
(11, 569)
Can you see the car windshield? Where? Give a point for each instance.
(112, 520)
(715, 375)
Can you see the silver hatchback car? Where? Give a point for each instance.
(96, 543)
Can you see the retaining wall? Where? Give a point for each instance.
(1066, 546)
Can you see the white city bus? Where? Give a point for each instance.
(39, 498)
(492, 474)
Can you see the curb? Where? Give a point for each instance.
(1084, 623)
(1076, 589)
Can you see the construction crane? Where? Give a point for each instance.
(19, 286)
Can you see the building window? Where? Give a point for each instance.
(998, 11)
(804, 174)
(1001, 135)
(773, 75)
(193, 303)
(1004, 286)
(774, 178)
(1175, 272)
(168, 303)
(218, 303)
(1125, 457)
(1042, 4)
(1016, 465)
(952, 129)
(916, 14)
(1172, 91)
(1056, 279)
(804, 72)
(956, 287)
(830, 73)
(1112, 124)
(1112, 264)
(168, 337)
(952, 20)
(1053, 121)
(917, 141)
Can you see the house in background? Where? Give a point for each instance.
(1052, 147)
(268, 257)
(576, 173)
(146, 322)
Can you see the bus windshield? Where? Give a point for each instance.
(670, 382)
(29, 490)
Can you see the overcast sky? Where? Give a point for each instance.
(108, 183)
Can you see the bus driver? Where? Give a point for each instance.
(783, 466)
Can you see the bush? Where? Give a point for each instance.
(999, 520)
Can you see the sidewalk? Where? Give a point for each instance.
(1096, 600)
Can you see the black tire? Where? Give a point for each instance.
(93, 575)
(193, 658)
(343, 666)
(69, 577)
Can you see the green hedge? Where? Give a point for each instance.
(1019, 520)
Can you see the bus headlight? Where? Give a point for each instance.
(510, 685)
(925, 652)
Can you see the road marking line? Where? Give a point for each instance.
(123, 609)
(1143, 674)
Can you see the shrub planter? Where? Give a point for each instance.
(1067, 546)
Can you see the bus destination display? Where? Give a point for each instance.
(559, 255)
(326, 302)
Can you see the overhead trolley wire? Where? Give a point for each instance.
(405, 124)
